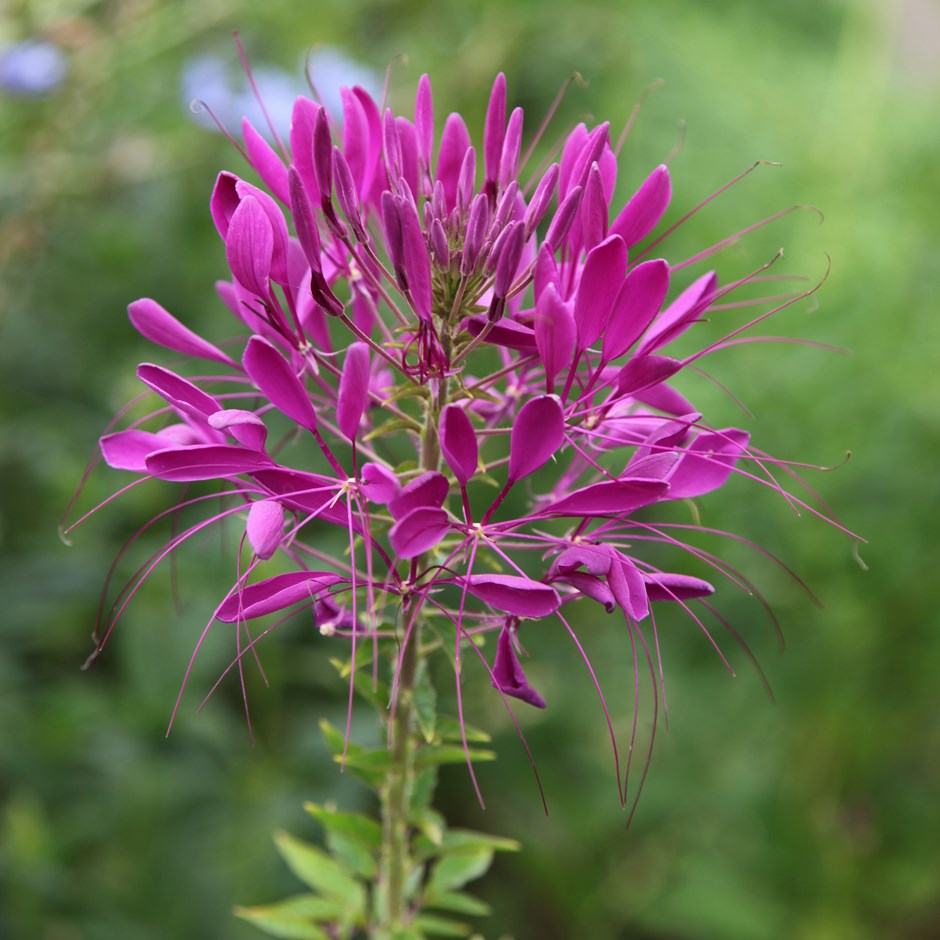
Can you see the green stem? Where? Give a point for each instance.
(396, 863)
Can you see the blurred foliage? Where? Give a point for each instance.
(816, 818)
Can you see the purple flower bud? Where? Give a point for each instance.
(593, 210)
(507, 261)
(346, 194)
(303, 121)
(561, 221)
(424, 121)
(466, 182)
(508, 675)
(494, 132)
(438, 242)
(323, 156)
(455, 145)
(392, 148)
(512, 146)
(477, 225)
(541, 199)
(249, 246)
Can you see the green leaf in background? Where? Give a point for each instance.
(455, 871)
(460, 903)
(355, 839)
(425, 699)
(441, 926)
(435, 754)
(294, 918)
(317, 870)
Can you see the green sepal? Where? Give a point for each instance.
(441, 926)
(354, 839)
(454, 871)
(318, 871)
(460, 903)
(294, 918)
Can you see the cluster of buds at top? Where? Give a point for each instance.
(441, 330)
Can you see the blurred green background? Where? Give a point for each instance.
(815, 818)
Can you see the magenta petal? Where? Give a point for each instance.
(645, 371)
(663, 586)
(310, 493)
(249, 246)
(680, 314)
(281, 242)
(494, 131)
(508, 675)
(635, 306)
(418, 531)
(303, 120)
(179, 392)
(590, 586)
(265, 527)
(513, 594)
(428, 490)
(424, 120)
(628, 587)
(707, 463)
(555, 333)
(537, 433)
(161, 327)
(594, 210)
(646, 207)
(458, 442)
(601, 279)
(596, 558)
(129, 450)
(609, 497)
(506, 333)
(224, 201)
(205, 462)
(353, 389)
(276, 378)
(655, 466)
(245, 426)
(266, 162)
(415, 259)
(274, 594)
(379, 484)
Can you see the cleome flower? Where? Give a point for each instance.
(442, 323)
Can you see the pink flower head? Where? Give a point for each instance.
(475, 379)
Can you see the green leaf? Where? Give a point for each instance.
(422, 792)
(392, 425)
(466, 840)
(460, 903)
(431, 755)
(408, 390)
(448, 729)
(317, 870)
(455, 871)
(367, 768)
(354, 839)
(441, 926)
(425, 700)
(293, 917)
(432, 826)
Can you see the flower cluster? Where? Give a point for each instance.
(442, 326)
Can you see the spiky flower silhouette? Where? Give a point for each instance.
(442, 323)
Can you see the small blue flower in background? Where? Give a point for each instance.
(32, 67)
(207, 78)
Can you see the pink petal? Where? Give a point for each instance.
(353, 392)
(506, 333)
(245, 426)
(458, 442)
(590, 586)
(276, 378)
(555, 333)
(379, 484)
(508, 675)
(249, 246)
(179, 392)
(680, 314)
(303, 120)
(635, 306)
(428, 490)
(129, 450)
(628, 587)
(310, 493)
(274, 594)
(707, 463)
(612, 496)
(266, 162)
(424, 120)
(513, 594)
(671, 587)
(161, 327)
(495, 128)
(223, 202)
(205, 462)
(281, 244)
(265, 527)
(642, 372)
(644, 210)
(602, 278)
(418, 531)
(537, 433)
